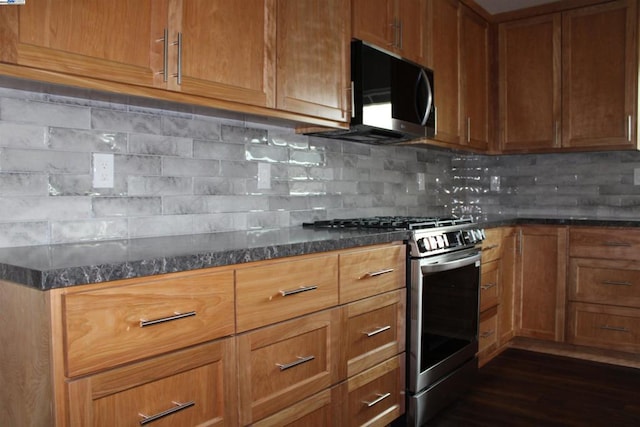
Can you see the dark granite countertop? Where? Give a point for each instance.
(574, 221)
(56, 266)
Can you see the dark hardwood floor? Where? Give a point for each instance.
(523, 388)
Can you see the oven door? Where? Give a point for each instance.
(444, 313)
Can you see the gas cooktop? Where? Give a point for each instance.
(390, 222)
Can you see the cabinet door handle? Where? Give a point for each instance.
(614, 328)
(377, 331)
(614, 244)
(376, 273)
(616, 283)
(487, 334)
(399, 46)
(146, 419)
(178, 74)
(286, 293)
(300, 361)
(487, 286)
(165, 55)
(468, 130)
(629, 128)
(176, 316)
(378, 399)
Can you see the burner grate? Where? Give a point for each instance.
(390, 222)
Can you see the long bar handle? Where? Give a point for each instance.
(487, 334)
(146, 419)
(377, 273)
(487, 286)
(614, 328)
(380, 398)
(613, 243)
(144, 322)
(178, 75)
(616, 283)
(300, 361)
(165, 55)
(377, 331)
(629, 127)
(286, 293)
(468, 130)
(488, 248)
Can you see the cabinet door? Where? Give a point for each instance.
(116, 40)
(445, 48)
(508, 279)
(529, 83)
(542, 278)
(313, 58)
(475, 80)
(600, 75)
(374, 22)
(227, 49)
(411, 19)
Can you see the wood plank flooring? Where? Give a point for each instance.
(522, 388)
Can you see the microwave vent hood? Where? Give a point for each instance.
(392, 99)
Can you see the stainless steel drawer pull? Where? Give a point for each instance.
(146, 419)
(487, 286)
(487, 334)
(377, 273)
(165, 55)
(377, 400)
(614, 328)
(377, 331)
(625, 244)
(176, 316)
(616, 283)
(300, 361)
(299, 290)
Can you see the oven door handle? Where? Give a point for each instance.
(452, 264)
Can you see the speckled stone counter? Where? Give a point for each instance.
(587, 222)
(56, 266)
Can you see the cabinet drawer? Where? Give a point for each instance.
(605, 282)
(370, 272)
(319, 410)
(277, 291)
(196, 386)
(376, 396)
(285, 363)
(604, 326)
(375, 330)
(110, 326)
(492, 245)
(607, 243)
(489, 285)
(488, 330)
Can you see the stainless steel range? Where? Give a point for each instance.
(442, 308)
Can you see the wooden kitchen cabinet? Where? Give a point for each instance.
(541, 282)
(398, 26)
(508, 270)
(475, 83)
(116, 40)
(569, 80)
(313, 59)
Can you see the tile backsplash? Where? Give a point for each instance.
(179, 172)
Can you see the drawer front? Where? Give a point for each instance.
(287, 362)
(110, 326)
(376, 396)
(604, 326)
(488, 330)
(370, 272)
(279, 291)
(375, 330)
(489, 285)
(319, 410)
(186, 388)
(492, 245)
(605, 282)
(607, 243)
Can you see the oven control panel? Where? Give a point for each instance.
(435, 241)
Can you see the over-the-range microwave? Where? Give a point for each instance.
(392, 98)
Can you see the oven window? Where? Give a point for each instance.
(450, 313)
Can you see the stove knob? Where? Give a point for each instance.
(440, 242)
(433, 243)
(422, 245)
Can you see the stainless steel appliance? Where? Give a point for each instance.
(392, 98)
(442, 309)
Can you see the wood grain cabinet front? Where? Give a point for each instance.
(191, 387)
(135, 319)
(281, 364)
(604, 326)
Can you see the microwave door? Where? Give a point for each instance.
(424, 97)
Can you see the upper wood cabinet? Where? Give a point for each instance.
(475, 65)
(395, 25)
(444, 51)
(313, 60)
(116, 40)
(569, 80)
